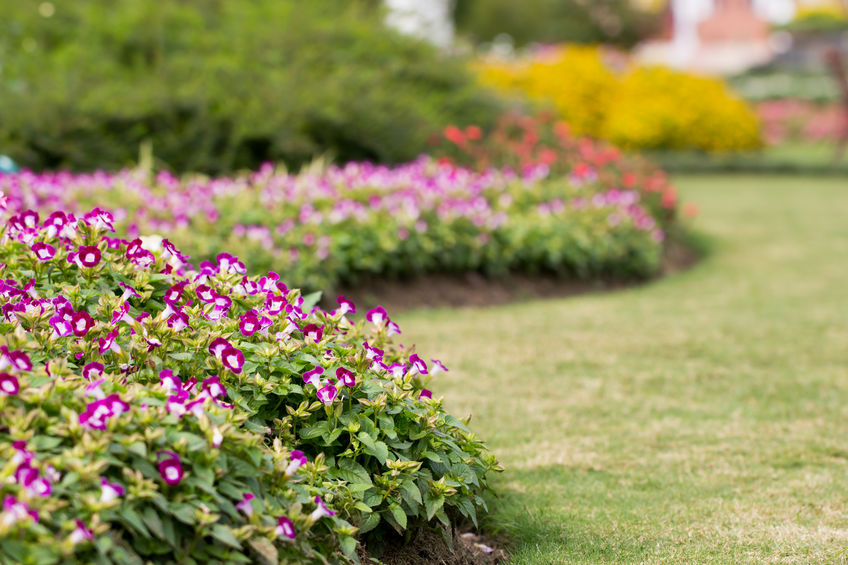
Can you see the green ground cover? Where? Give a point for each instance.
(698, 419)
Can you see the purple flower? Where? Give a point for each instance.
(108, 343)
(80, 534)
(249, 323)
(61, 326)
(372, 353)
(93, 389)
(245, 505)
(392, 328)
(377, 316)
(296, 460)
(205, 293)
(92, 370)
(398, 370)
(313, 332)
(438, 367)
(110, 491)
(284, 528)
(43, 251)
(218, 345)
(14, 511)
(40, 487)
(346, 305)
(89, 256)
(128, 291)
(170, 468)
(321, 511)
(178, 321)
(81, 323)
(168, 381)
(213, 387)
(9, 384)
(328, 394)
(418, 365)
(346, 377)
(173, 294)
(29, 218)
(425, 394)
(312, 377)
(233, 359)
(99, 219)
(20, 361)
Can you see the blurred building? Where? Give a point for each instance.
(724, 36)
(428, 19)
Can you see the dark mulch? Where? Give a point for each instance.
(429, 548)
(475, 290)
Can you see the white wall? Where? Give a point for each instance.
(428, 19)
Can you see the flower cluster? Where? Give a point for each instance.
(601, 93)
(527, 142)
(797, 120)
(203, 413)
(341, 225)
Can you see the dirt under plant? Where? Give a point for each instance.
(475, 290)
(429, 548)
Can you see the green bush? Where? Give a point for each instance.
(554, 21)
(218, 85)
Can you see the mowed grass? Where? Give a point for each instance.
(699, 419)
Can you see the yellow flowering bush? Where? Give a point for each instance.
(603, 94)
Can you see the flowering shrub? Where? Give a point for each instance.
(601, 93)
(798, 120)
(340, 224)
(149, 412)
(524, 142)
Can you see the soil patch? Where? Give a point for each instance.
(429, 548)
(475, 290)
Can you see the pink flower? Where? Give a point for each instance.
(418, 365)
(213, 387)
(346, 377)
(110, 491)
(284, 528)
(296, 460)
(313, 376)
(377, 316)
(425, 394)
(233, 359)
(346, 305)
(89, 256)
(328, 394)
(313, 332)
(168, 381)
(438, 367)
(170, 468)
(92, 370)
(245, 505)
(321, 511)
(9, 384)
(43, 251)
(80, 534)
(81, 323)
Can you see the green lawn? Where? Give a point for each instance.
(699, 419)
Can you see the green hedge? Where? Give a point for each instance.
(219, 85)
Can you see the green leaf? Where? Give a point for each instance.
(153, 522)
(398, 514)
(223, 534)
(131, 517)
(410, 489)
(432, 504)
(369, 523)
(353, 472)
(181, 356)
(311, 300)
(348, 545)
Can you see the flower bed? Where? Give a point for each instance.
(153, 413)
(336, 225)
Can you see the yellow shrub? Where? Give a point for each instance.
(635, 107)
